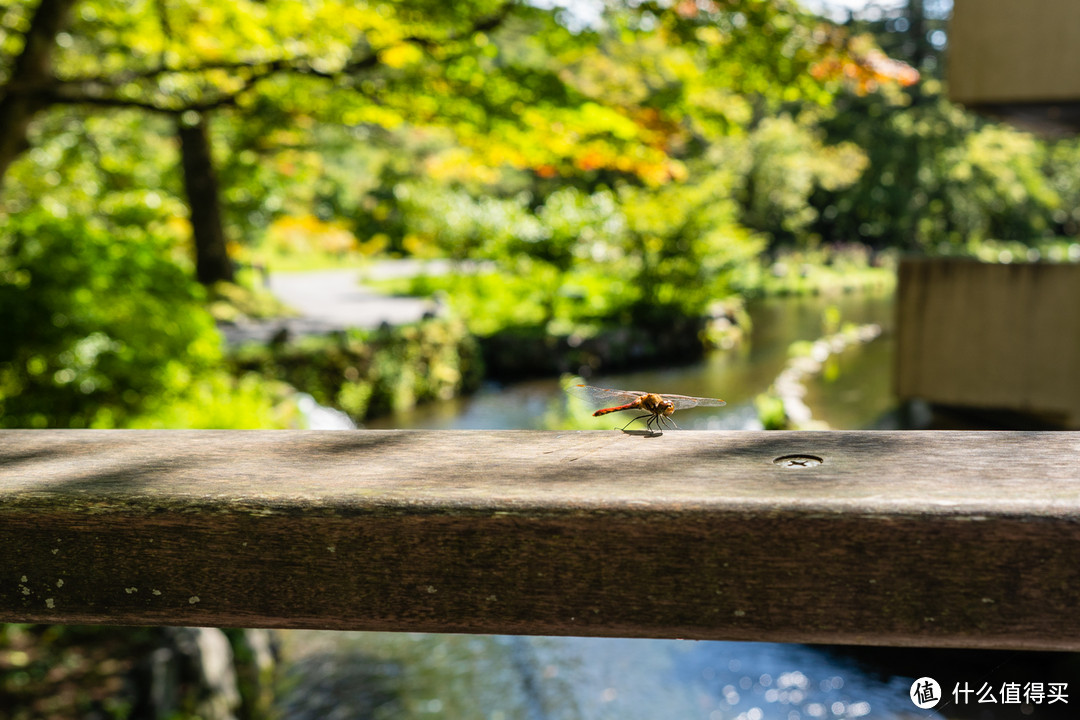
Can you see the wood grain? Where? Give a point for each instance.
(949, 539)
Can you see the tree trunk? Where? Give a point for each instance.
(21, 99)
(917, 31)
(212, 261)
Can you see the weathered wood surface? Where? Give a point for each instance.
(991, 336)
(1018, 62)
(1008, 52)
(909, 538)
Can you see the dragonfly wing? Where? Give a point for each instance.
(682, 402)
(603, 396)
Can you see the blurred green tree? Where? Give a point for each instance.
(27, 71)
(687, 109)
(99, 323)
(187, 60)
(938, 178)
(518, 102)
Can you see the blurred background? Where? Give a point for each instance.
(331, 215)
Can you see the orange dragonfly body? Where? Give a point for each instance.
(654, 406)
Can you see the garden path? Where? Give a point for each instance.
(333, 300)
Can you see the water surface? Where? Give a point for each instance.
(862, 392)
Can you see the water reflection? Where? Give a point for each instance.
(407, 675)
(388, 675)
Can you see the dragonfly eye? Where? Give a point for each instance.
(667, 407)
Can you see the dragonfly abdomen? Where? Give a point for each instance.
(629, 406)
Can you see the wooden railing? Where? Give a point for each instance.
(901, 538)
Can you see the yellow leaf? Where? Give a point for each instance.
(400, 55)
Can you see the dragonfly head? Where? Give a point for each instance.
(656, 404)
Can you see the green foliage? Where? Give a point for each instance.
(820, 270)
(97, 324)
(995, 187)
(638, 255)
(1062, 168)
(463, 227)
(1055, 250)
(103, 324)
(681, 247)
(581, 163)
(784, 162)
(116, 168)
(102, 329)
(491, 301)
(246, 299)
(770, 410)
(373, 373)
(218, 400)
(940, 180)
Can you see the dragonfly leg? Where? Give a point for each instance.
(637, 418)
(666, 419)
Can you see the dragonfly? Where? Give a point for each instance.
(654, 406)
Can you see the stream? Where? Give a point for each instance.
(858, 396)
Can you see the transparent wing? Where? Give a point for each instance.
(681, 402)
(605, 397)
